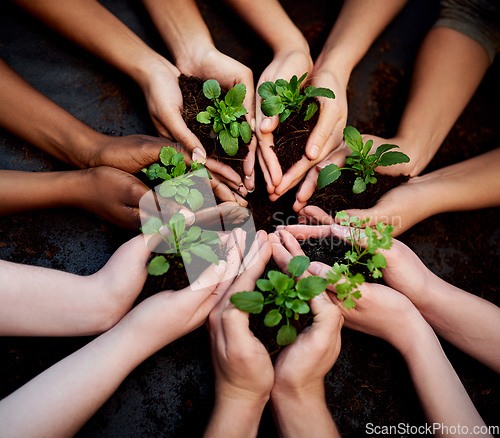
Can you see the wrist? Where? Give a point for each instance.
(291, 44)
(334, 62)
(145, 71)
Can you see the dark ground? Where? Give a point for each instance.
(171, 393)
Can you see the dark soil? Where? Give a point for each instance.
(339, 196)
(290, 137)
(194, 102)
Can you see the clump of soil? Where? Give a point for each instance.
(290, 137)
(194, 102)
(339, 196)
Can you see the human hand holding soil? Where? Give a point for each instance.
(284, 65)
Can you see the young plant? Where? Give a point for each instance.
(224, 115)
(378, 238)
(180, 243)
(287, 296)
(178, 180)
(360, 162)
(283, 98)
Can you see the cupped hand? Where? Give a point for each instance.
(301, 367)
(283, 66)
(242, 365)
(326, 136)
(115, 195)
(209, 63)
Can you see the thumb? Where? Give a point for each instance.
(370, 213)
(269, 124)
(321, 133)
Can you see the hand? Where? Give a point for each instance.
(310, 182)
(114, 195)
(209, 63)
(327, 134)
(284, 65)
(242, 366)
(405, 272)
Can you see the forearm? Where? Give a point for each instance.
(300, 416)
(90, 25)
(26, 191)
(181, 26)
(357, 26)
(235, 417)
(442, 395)
(469, 185)
(41, 122)
(59, 401)
(448, 70)
(270, 21)
(463, 319)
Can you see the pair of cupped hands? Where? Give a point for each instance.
(242, 364)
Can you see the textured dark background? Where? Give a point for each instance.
(170, 395)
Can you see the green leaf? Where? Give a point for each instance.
(228, 143)
(379, 261)
(218, 126)
(192, 234)
(327, 175)
(245, 132)
(279, 300)
(309, 287)
(250, 302)
(167, 190)
(264, 285)
(205, 252)
(384, 148)
(359, 185)
(152, 171)
(311, 110)
(285, 114)
(278, 280)
(349, 303)
(166, 154)
(163, 173)
(298, 265)
(302, 78)
(367, 147)
(211, 110)
(332, 277)
(225, 119)
(267, 89)
(158, 266)
(182, 190)
(283, 90)
(239, 111)
(211, 89)
(272, 318)
(312, 91)
(234, 129)
(353, 139)
(209, 237)
(152, 225)
(194, 199)
(393, 157)
(272, 106)
(177, 158)
(300, 306)
(281, 83)
(236, 95)
(180, 199)
(286, 335)
(177, 223)
(204, 117)
(293, 84)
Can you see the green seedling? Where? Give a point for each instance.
(287, 297)
(378, 238)
(360, 162)
(282, 97)
(177, 178)
(224, 115)
(181, 244)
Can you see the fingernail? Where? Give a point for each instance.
(199, 155)
(321, 296)
(322, 165)
(189, 215)
(252, 123)
(314, 152)
(314, 268)
(251, 191)
(220, 268)
(265, 124)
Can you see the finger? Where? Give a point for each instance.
(235, 248)
(249, 164)
(204, 287)
(293, 176)
(224, 172)
(317, 215)
(304, 232)
(321, 269)
(254, 253)
(268, 124)
(176, 126)
(280, 254)
(321, 135)
(224, 193)
(272, 163)
(265, 171)
(308, 186)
